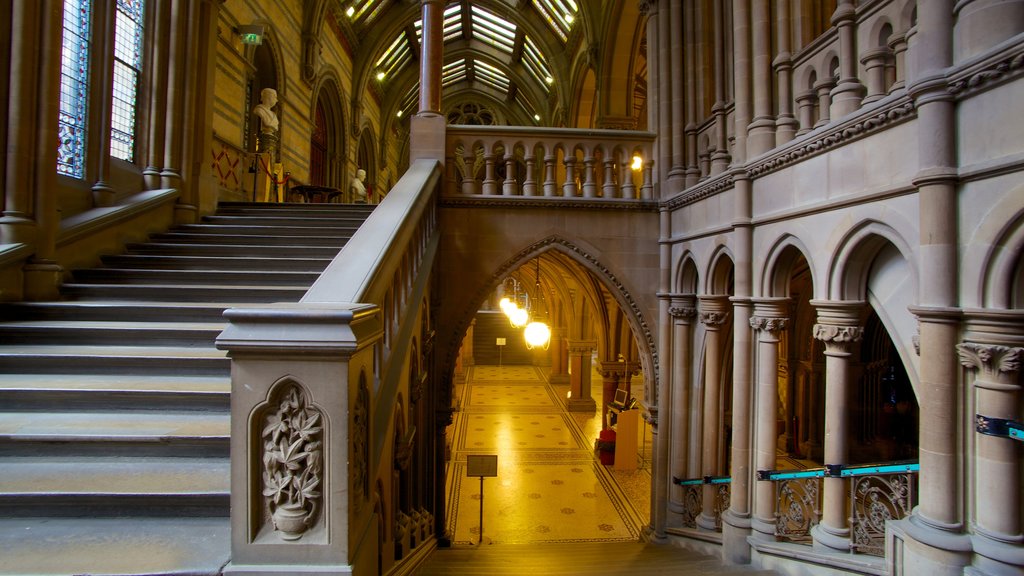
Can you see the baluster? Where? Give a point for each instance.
(550, 185)
(569, 188)
(469, 177)
(490, 184)
(510, 186)
(647, 188)
(628, 187)
(589, 186)
(530, 182)
(610, 188)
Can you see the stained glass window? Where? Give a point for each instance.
(71, 123)
(127, 69)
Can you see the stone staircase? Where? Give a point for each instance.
(114, 401)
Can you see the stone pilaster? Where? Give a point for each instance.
(770, 318)
(580, 374)
(714, 314)
(839, 328)
(993, 353)
(683, 312)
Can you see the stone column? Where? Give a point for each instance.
(714, 313)
(42, 273)
(156, 89)
(690, 75)
(720, 156)
(875, 63)
(771, 315)
(846, 97)
(610, 376)
(683, 310)
(580, 373)
(898, 45)
(805, 102)
(427, 127)
(662, 19)
(838, 327)
(174, 121)
(678, 170)
(935, 540)
(993, 353)
(786, 123)
(824, 90)
(761, 133)
(98, 146)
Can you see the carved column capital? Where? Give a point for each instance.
(995, 364)
(714, 310)
(837, 339)
(767, 324)
(685, 313)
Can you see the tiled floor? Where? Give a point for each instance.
(550, 486)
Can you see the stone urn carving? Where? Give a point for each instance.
(293, 464)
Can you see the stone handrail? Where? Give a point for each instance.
(548, 162)
(314, 388)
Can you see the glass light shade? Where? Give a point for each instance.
(504, 304)
(537, 334)
(519, 317)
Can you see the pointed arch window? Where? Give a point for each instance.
(127, 70)
(74, 87)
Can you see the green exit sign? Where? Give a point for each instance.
(252, 39)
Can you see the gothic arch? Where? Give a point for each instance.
(642, 330)
(328, 98)
(719, 276)
(778, 266)
(994, 255)
(687, 276)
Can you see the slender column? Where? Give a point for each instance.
(665, 121)
(610, 375)
(156, 88)
(683, 310)
(838, 327)
(170, 174)
(769, 320)
(805, 102)
(938, 521)
(427, 127)
(432, 55)
(720, 156)
(690, 75)
(678, 169)
(993, 353)
(99, 116)
(786, 123)
(761, 133)
(846, 97)
(714, 313)
(580, 372)
(898, 45)
(42, 273)
(654, 118)
(17, 224)
(824, 89)
(509, 187)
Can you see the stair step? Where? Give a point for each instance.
(115, 433)
(181, 262)
(262, 231)
(192, 293)
(297, 250)
(264, 224)
(182, 546)
(113, 485)
(291, 209)
(67, 392)
(123, 333)
(168, 360)
(100, 310)
(337, 240)
(195, 277)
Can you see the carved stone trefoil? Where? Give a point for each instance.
(292, 445)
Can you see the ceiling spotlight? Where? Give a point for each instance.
(380, 75)
(351, 10)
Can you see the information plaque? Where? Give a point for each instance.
(482, 465)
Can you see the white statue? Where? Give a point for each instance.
(358, 188)
(268, 118)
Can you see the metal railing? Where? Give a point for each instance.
(693, 497)
(878, 493)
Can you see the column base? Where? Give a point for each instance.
(427, 137)
(42, 281)
(185, 214)
(829, 539)
(707, 523)
(997, 553)
(735, 530)
(847, 97)
(17, 228)
(762, 529)
(925, 548)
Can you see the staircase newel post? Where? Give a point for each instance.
(301, 382)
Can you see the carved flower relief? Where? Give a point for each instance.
(293, 464)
